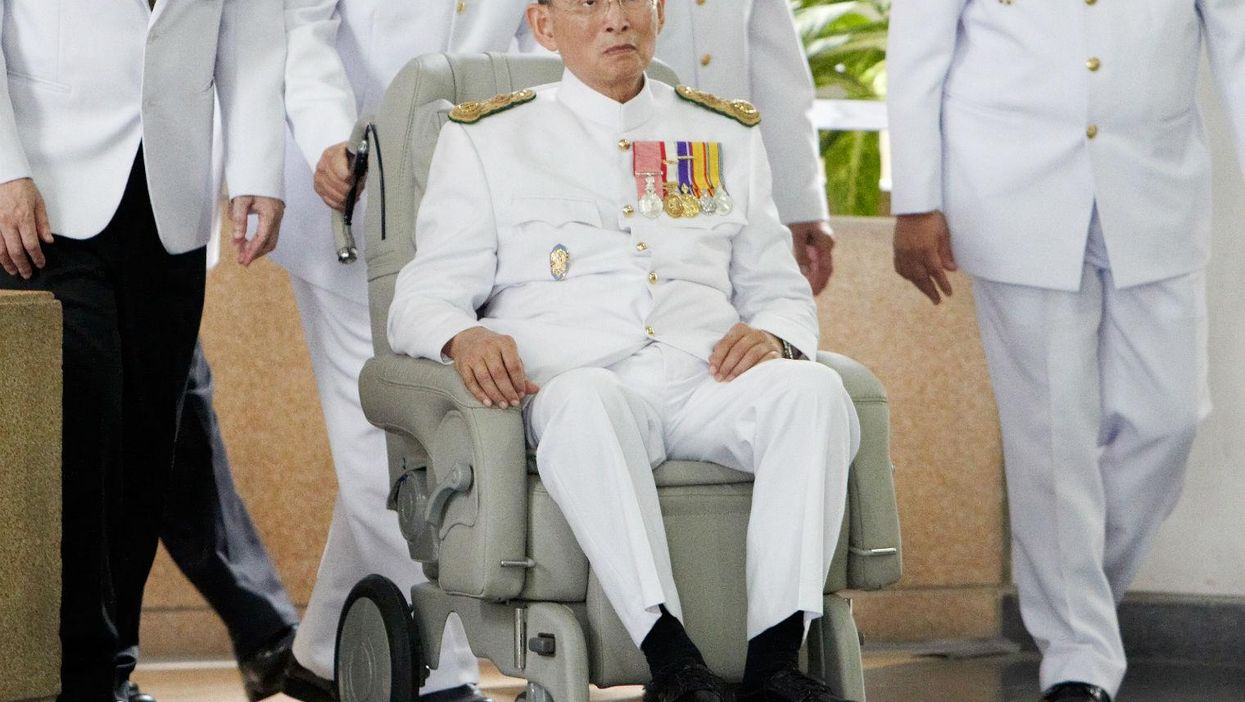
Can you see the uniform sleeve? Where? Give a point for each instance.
(769, 291)
(782, 88)
(919, 51)
(13, 163)
(250, 61)
(1224, 22)
(438, 292)
(319, 102)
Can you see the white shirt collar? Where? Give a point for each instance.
(590, 104)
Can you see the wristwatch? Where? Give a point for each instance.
(788, 351)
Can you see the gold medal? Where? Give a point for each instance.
(674, 201)
(691, 205)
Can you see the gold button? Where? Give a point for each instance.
(652, 278)
(1091, 131)
(623, 144)
(704, 60)
(650, 331)
(628, 210)
(1093, 63)
(700, 2)
(641, 247)
(462, 6)
(1091, 2)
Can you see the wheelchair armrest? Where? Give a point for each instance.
(485, 526)
(875, 557)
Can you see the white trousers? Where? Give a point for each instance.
(600, 432)
(1099, 393)
(363, 536)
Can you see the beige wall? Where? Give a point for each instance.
(946, 444)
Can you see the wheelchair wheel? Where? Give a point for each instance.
(378, 653)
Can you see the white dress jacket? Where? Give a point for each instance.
(1015, 118)
(87, 81)
(498, 208)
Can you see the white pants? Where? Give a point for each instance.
(1099, 394)
(600, 432)
(363, 537)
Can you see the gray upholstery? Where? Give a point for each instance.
(504, 541)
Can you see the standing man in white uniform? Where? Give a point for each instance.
(607, 254)
(342, 56)
(750, 49)
(107, 194)
(1054, 151)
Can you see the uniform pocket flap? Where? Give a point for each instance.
(555, 211)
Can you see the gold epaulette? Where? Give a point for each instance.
(741, 111)
(476, 110)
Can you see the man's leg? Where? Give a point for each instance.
(1042, 348)
(90, 461)
(596, 445)
(364, 536)
(791, 424)
(1153, 358)
(160, 303)
(210, 536)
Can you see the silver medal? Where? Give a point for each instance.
(651, 204)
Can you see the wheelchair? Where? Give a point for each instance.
(495, 547)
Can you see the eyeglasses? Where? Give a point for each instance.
(597, 8)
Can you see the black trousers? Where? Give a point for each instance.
(131, 316)
(210, 536)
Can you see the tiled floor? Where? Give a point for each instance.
(889, 678)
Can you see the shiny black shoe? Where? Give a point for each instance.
(462, 693)
(1075, 692)
(263, 673)
(128, 692)
(693, 682)
(302, 684)
(788, 685)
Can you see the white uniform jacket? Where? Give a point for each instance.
(750, 49)
(497, 207)
(87, 81)
(1015, 118)
(342, 56)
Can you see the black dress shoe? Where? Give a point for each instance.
(302, 684)
(128, 692)
(788, 685)
(264, 671)
(693, 682)
(1075, 692)
(462, 693)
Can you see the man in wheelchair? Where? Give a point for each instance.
(604, 254)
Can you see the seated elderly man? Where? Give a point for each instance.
(604, 253)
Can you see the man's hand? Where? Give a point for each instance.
(742, 348)
(23, 224)
(489, 364)
(814, 247)
(270, 211)
(334, 177)
(923, 252)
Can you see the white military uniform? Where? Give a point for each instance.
(620, 343)
(1063, 143)
(342, 56)
(750, 49)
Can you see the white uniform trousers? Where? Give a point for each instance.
(363, 536)
(599, 432)
(1099, 394)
